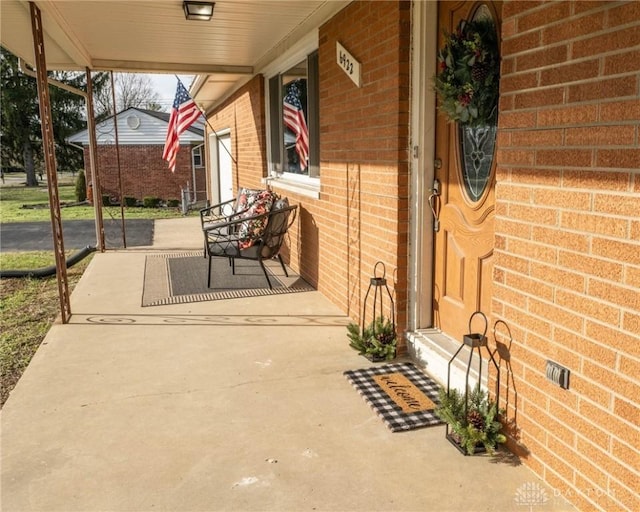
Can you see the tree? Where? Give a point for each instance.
(21, 132)
(68, 112)
(20, 118)
(132, 90)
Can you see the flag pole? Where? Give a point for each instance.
(209, 124)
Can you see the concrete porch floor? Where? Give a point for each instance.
(225, 405)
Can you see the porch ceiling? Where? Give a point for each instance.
(155, 37)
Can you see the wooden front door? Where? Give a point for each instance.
(464, 243)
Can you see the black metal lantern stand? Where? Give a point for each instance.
(379, 284)
(475, 341)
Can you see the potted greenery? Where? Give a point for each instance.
(377, 342)
(472, 419)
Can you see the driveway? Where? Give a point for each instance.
(37, 236)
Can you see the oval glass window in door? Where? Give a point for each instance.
(478, 140)
(477, 145)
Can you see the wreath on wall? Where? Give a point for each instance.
(468, 75)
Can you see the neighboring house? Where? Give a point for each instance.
(141, 137)
(550, 246)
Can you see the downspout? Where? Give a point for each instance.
(75, 146)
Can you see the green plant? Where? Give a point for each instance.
(151, 202)
(106, 200)
(173, 203)
(130, 201)
(81, 187)
(468, 75)
(473, 419)
(377, 341)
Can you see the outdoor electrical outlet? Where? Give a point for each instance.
(557, 374)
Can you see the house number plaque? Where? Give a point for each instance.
(348, 64)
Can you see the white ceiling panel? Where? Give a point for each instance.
(154, 36)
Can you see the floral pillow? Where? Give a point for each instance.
(251, 230)
(246, 197)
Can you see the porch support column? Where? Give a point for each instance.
(48, 145)
(93, 164)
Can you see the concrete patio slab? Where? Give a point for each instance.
(234, 404)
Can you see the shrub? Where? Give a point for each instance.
(173, 203)
(151, 202)
(81, 187)
(130, 201)
(106, 200)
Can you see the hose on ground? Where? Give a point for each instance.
(40, 273)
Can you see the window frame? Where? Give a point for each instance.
(306, 184)
(196, 152)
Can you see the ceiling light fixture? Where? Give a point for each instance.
(202, 11)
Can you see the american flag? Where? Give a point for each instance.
(183, 114)
(295, 121)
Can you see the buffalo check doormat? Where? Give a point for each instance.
(403, 396)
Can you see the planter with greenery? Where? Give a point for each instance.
(472, 419)
(377, 342)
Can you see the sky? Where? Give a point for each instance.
(165, 86)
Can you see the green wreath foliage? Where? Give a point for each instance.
(468, 77)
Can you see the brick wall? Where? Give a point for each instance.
(143, 172)
(361, 216)
(243, 114)
(567, 270)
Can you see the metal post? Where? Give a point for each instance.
(48, 145)
(115, 127)
(93, 159)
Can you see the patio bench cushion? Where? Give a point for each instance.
(250, 231)
(220, 215)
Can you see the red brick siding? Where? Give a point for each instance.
(362, 214)
(243, 113)
(568, 245)
(143, 172)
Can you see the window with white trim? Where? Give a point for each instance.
(294, 120)
(196, 155)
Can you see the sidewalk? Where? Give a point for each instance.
(223, 405)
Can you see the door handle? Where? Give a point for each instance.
(434, 204)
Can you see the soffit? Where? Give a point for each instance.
(154, 36)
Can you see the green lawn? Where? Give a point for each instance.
(28, 307)
(26, 204)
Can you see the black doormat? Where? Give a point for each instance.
(179, 278)
(403, 396)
